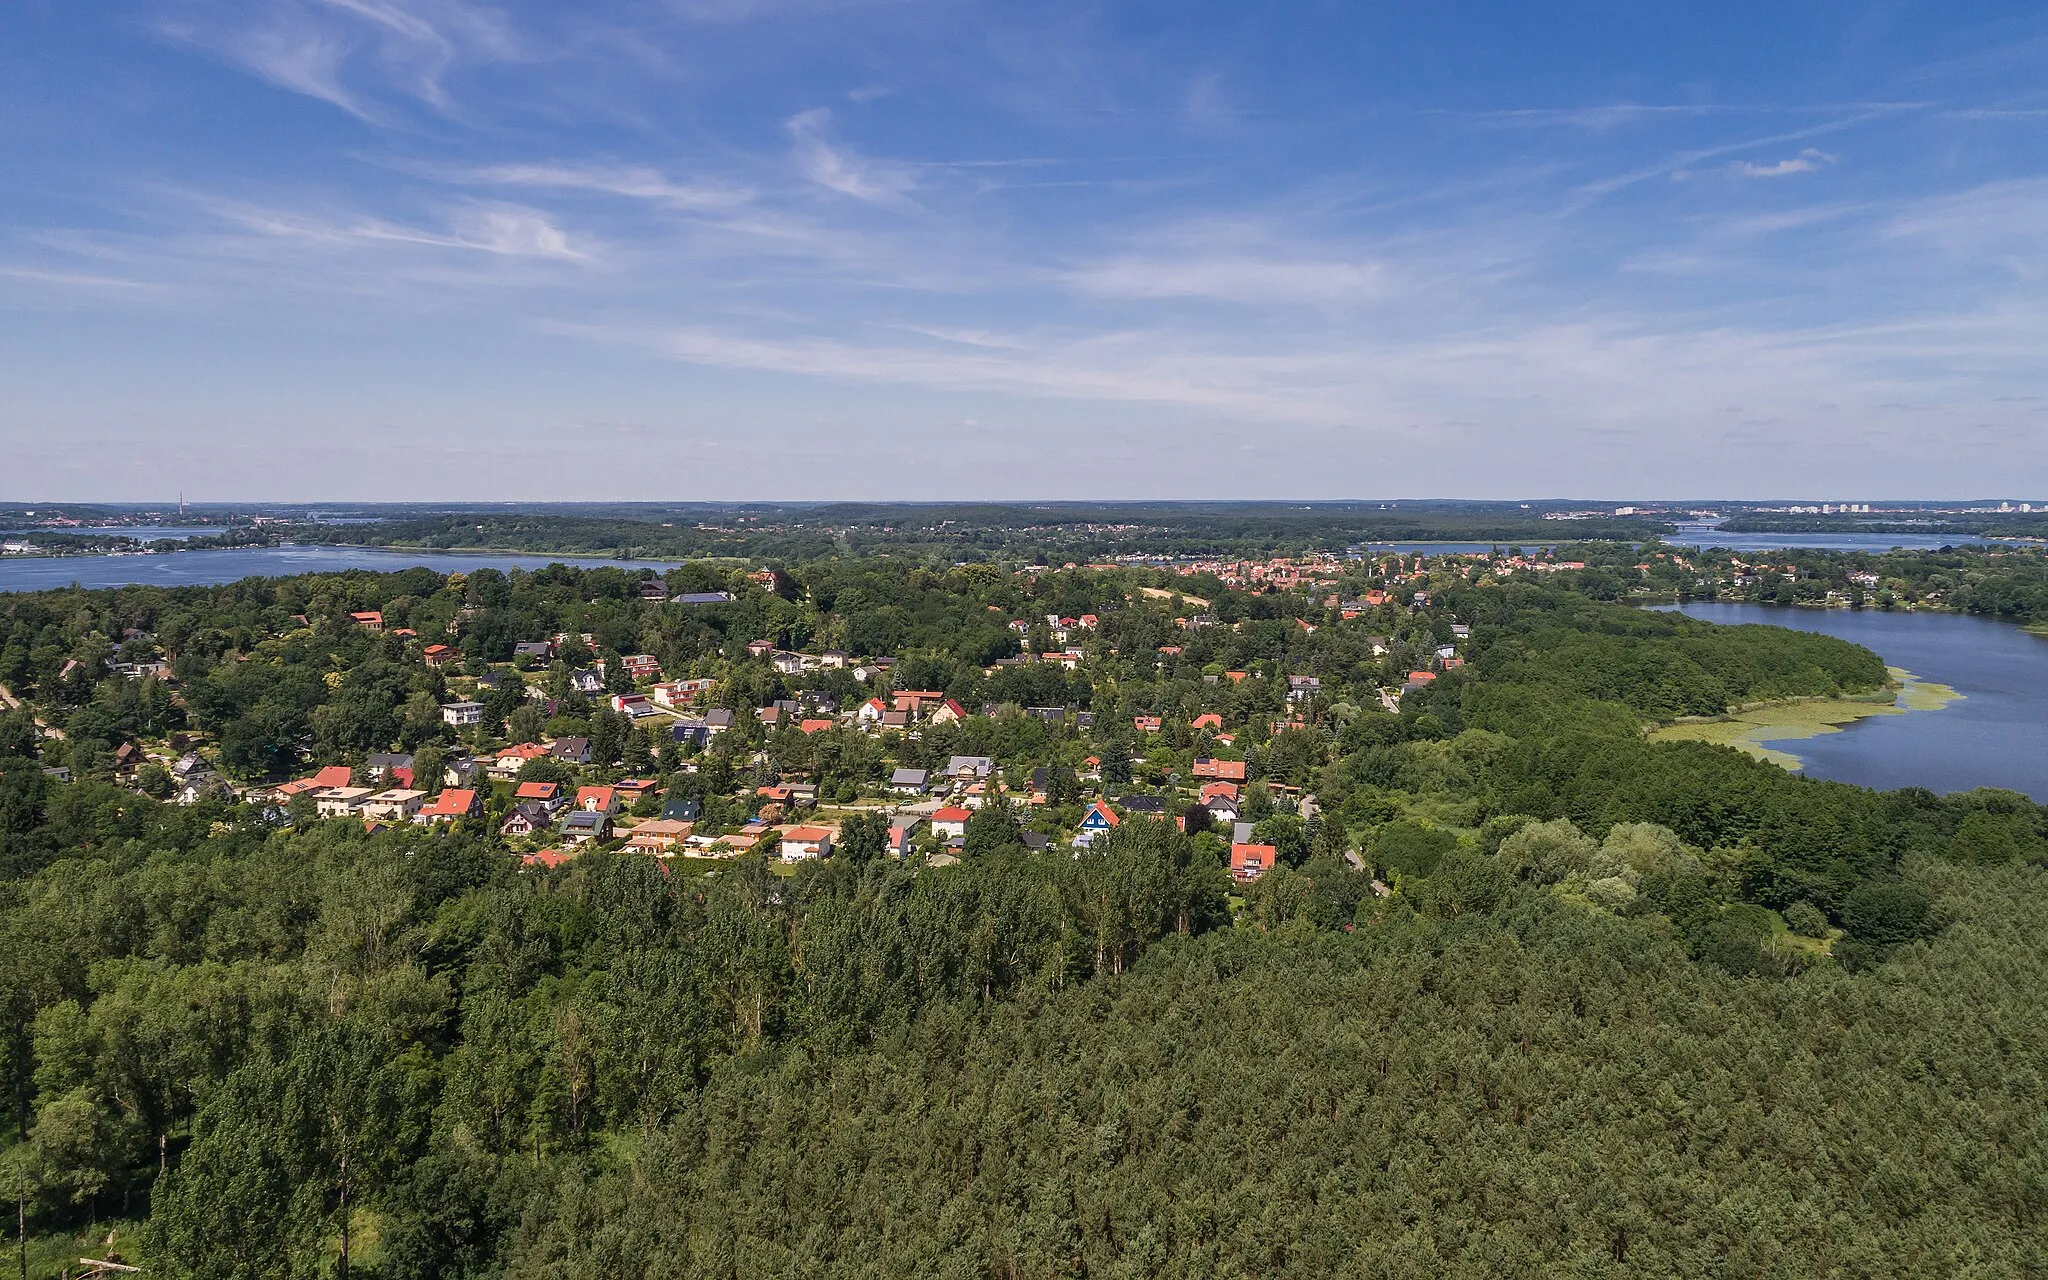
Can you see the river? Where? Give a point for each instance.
(1996, 735)
(206, 568)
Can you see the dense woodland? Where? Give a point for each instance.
(1530, 995)
(1041, 532)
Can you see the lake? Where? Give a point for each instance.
(207, 568)
(139, 532)
(1996, 735)
(1703, 536)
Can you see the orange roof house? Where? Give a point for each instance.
(597, 799)
(1250, 861)
(1227, 770)
(455, 802)
(369, 620)
(1207, 720)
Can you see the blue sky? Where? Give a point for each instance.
(927, 249)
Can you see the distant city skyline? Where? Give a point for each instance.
(436, 250)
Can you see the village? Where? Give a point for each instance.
(687, 768)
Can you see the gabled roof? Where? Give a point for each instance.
(952, 813)
(1101, 814)
(537, 791)
(334, 775)
(455, 802)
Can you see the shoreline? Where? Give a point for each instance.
(1752, 728)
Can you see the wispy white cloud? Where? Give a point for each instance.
(1231, 279)
(407, 47)
(1806, 161)
(839, 169)
(76, 279)
(503, 230)
(635, 182)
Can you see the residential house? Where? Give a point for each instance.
(1146, 724)
(368, 620)
(895, 719)
(1223, 809)
(462, 714)
(1303, 688)
(547, 795)
(583, 826)
(760, 648)
(450, 805)
(679, 808)
(718, 720)
(969, 768)
(817, 726)
(801, 843)
(533, 651)
(903, 830)
(508, 762)
(341, 802)
(834, 659)
(545, 859)
(1099, 819)
(1250, 861)
(588, 681)
(1207, 720)
(704, 597)
(635, 705)
(692, 730)
(658, 837)
(654, 590)
(786, 663)
(1226, 770)
(574, 751)
(285, 793)
(1150, 806)
(382, 765)
(641, 666)
(951, 821)
(526, 819)
(597, 799)
(908, 782)
(948, 712)
(630, 791)
(440, 655)
(676, 694)
(1051, 715)
(334, 775)
(396, 805)
(871, 712)
(917, 701)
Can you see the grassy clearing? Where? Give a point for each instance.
(1753, 729)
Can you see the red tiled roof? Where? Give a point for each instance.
(334, 775)
(455, 802)
(952, 814)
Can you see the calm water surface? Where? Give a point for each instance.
(1702, 536)
(1996, 736)
(205, 568)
